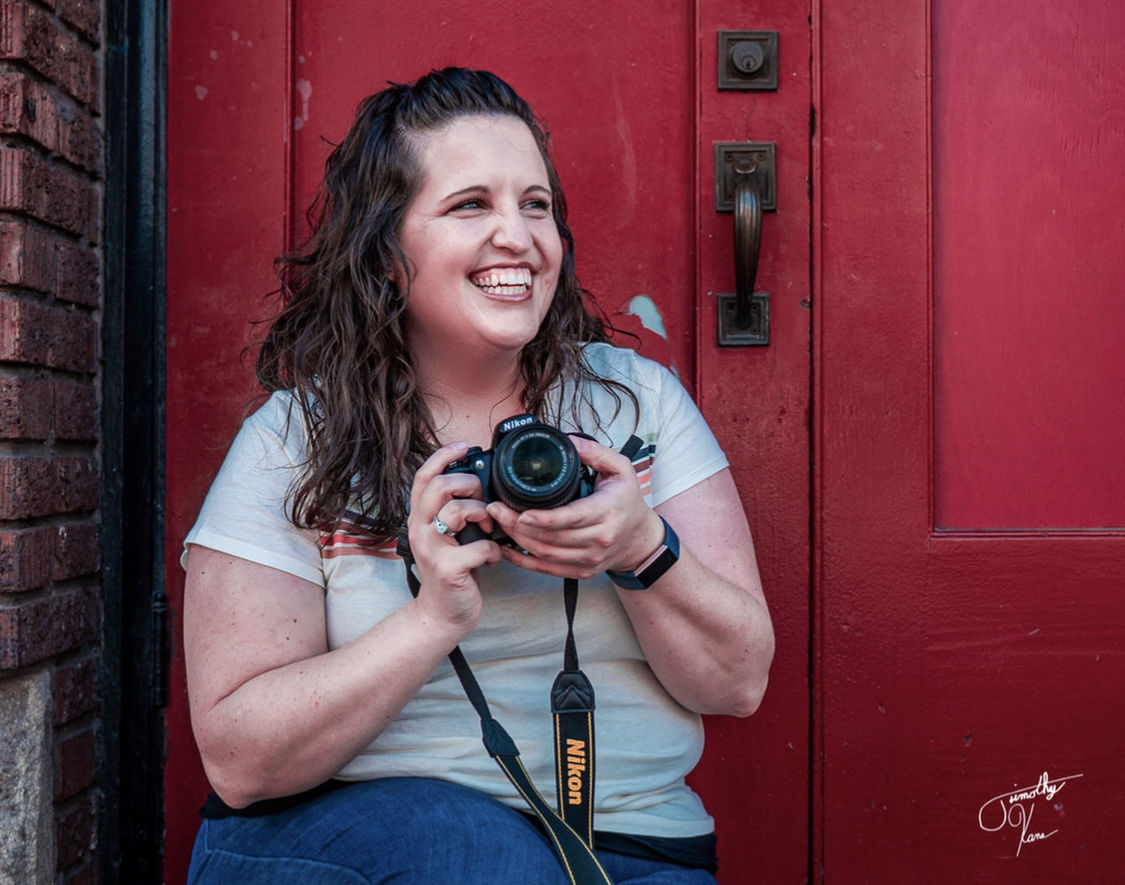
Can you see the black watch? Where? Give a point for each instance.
(666, 556)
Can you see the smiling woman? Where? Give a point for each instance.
(436, 297)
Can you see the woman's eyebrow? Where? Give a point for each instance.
(466, 191)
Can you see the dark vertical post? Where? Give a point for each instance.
(133, 669)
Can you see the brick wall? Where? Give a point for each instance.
(51, 172)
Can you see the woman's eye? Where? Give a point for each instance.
(538, 205)
(468, 206)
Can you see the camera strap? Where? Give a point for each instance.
(570, 828)
(572, 703)
(572, 699)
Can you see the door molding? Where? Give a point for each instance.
(133, 670)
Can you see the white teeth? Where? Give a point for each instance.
(503, 280)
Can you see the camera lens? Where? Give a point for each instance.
(536, 461)
(536, 467)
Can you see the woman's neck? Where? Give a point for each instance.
(467, 402)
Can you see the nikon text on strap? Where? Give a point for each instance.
(572, 703)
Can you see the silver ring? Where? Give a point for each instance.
(443, 529)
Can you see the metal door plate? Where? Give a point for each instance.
(757, 334)
(748, 60)
(755, 157)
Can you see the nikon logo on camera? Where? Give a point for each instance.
(513, 423)
(575, 766)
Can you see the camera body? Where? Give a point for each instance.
(531, 465)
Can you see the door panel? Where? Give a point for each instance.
(966, 716)
(258, 94)
(1027, 266)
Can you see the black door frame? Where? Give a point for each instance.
(134, 634)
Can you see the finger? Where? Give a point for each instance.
(440, 490)
(434, 466)
(443, 528)
(572, 525)
(602, 459)
(561, 568)
(458, 513)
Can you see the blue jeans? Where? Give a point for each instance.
(406, 831)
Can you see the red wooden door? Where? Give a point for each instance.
(970, 551)
(258, 90)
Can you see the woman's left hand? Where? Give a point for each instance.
(612, 529)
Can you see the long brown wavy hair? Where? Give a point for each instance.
(339, 342)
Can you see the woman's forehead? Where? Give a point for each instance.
(472, 146)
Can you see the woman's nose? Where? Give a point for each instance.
(512, 232)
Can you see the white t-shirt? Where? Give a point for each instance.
(645, 741)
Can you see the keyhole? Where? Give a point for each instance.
(747, 57)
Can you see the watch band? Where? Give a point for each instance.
(666, 556)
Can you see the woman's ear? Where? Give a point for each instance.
(398, 277)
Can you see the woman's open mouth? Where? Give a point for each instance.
(503, 280)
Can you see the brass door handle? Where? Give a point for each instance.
(747, 246)
(745, 185)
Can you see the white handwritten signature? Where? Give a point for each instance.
(1015, 809)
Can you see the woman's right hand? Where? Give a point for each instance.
(449, 591)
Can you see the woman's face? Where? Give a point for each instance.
(480, 240)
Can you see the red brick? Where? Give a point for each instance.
(79, 276)
(28, 108)
(79, 139)
(50, 192)
(46, 335)
(84, 15)
(77, 550)
(26, 484)
(23, 333)
(26, 407)
(34, 486)
(27, 257)
(26, 558)
(75, 764)
(34, 631)
(30, 35)
(75, 690)
(74, 831)
(76, 411)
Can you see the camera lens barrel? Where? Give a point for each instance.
(536, 467)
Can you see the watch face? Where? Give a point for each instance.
(658, 567)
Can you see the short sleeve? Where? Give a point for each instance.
(245, 513)
(686, 451)
(678, 444)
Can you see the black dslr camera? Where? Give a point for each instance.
(531, 465)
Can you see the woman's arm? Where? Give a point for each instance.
(273, 710)
(704, 625)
